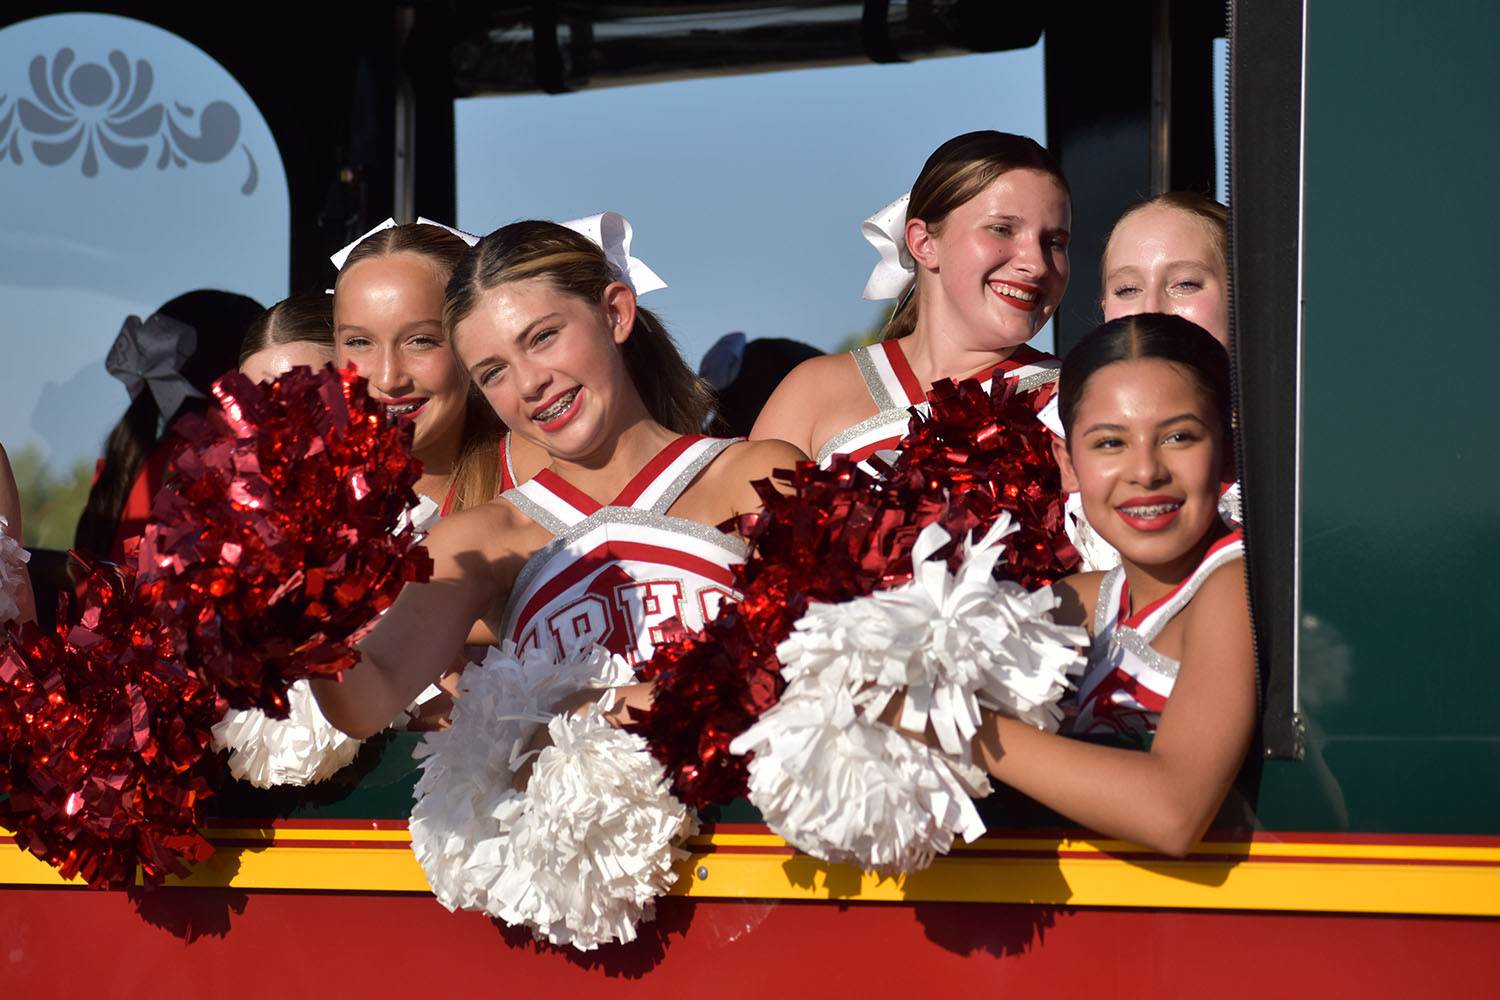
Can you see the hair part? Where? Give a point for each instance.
(673, 393)
(303, 318)
(476, 470)
(956, 172)
(1148, 337)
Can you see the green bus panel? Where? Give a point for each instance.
(1400, 668)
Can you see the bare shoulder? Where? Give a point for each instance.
(816, 400)
(495, 531)
(759, 459)
(1077, 596)
(1216, 622)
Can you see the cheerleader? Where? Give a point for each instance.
(169, 363)
(1145, 401)
(1168, 255)
(981, 245)
(388, 324)
(616, 534)
(298, 330)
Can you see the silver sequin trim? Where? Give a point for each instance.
(685, 478)
(873, 381)
(899, 420)
(1033, 381)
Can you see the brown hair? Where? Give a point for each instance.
(957, 171)
(1212, 214)
(675, 397)
(476, 472)
(306, 317)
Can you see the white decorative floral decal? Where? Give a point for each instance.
(106, 110)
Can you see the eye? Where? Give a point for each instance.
(488, 376)
(1058, 243)
(1187, 287)
(1108, 442)
(1182, 437)
(543, 336)
(1124, 291)
(355, 343)
(426, 341)
(1001, 229)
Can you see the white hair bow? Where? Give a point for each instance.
(612, 232)
(343, 255)
(886, 231)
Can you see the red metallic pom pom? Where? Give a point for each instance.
(271, 546)
(842, 533)
(105, 757)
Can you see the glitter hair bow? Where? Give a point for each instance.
(612, 232)
(149, 355)
(886, 231)
(342, 256)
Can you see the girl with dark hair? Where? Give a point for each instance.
(616, 535)
(169, 363)
(980, 250)
(1145, 400)
(298, 330)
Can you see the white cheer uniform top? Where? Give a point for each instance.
(1126, 683)
(895, 389)
(616, 573)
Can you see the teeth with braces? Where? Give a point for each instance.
(1151, 510)
(403, 409)
(557, 409)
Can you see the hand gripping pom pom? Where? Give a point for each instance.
(582, 854)
(104, 760)
(272, 545)
(840, 785)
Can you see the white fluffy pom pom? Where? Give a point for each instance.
(13, 578)
(841, 786)
(844, 788)
(302, 749)
(582, 854)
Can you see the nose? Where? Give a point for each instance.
(1155, 300)
(388, 374)
(1147, 467)
(531, 379)
(1029, 258)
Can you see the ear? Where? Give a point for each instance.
(1065, 464)
(619, 310)
(921, 243)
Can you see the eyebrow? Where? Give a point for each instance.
(1121, 428)
(414, 324)
(525, 332)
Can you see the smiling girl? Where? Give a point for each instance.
(984, 238)
(616, 535)
(388, 323)
(1145, 400)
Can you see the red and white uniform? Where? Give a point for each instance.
(895, 389)
(1126, 683)
(616, 573)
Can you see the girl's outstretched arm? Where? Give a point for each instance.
(418, 639)
(1165, 798)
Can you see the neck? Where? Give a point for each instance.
(603, 473)
(934, 352)
(1151, 583)
(438, 465)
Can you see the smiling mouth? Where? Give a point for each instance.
(1020, 296)
(556, 408)
(405, 408)
(1151, 509)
